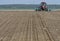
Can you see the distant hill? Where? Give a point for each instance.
(26, 6)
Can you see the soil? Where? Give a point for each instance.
(29, 26)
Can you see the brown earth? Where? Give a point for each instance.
(29, 26)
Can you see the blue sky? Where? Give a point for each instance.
(28, 1)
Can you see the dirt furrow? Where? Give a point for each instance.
(39, 36)
(3, 27)
(9, 28)
(29, 26)
(46, 32)
(15, 36)
(23, 34)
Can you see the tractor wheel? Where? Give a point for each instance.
(46, 9)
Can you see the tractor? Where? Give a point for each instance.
(43, 7)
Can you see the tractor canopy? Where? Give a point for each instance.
(43, 3)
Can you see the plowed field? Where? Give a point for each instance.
(29, 26)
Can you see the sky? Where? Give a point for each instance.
(28, 1)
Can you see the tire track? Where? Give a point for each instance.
(35, 33)
(45, 30)
(28, 34)
(23, 35)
